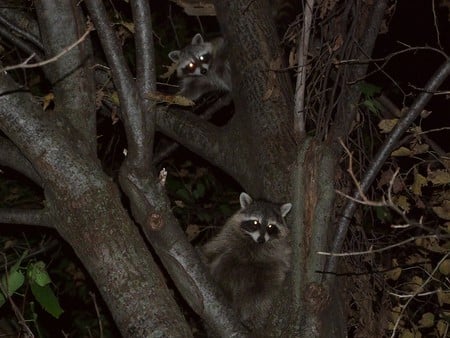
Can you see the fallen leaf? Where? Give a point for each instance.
(387, 125)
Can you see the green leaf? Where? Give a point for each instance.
(11, 282)
(199, 190)
(38, 274)
(184, 195)
(369, 90)
(45, 296)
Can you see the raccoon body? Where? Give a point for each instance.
(203, 67)
(250, 257)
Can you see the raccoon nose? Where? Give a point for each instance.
(203, 71)
(261, 239)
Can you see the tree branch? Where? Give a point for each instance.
(132, 111)
(62, 24)
(14, 26)
(89, 214)
(302, 53)
(38, 217)
(346, 114)
(10, 156)
(221, 102)
(389, 145)
(145, 69)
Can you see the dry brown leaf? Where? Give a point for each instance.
(402, 202)
(170, 70)
(444, 268)
(402, 151)
(170, 99)
(48, 99)
(438, 177)
(420, 148)
(443, 211)
(427, 320)
(443, 297)
(192, 231)
(387, 125)
(419, 182)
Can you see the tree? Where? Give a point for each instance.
(276, 159)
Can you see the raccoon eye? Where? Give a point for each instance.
(204, 58)
(272, 229)
(251, 225)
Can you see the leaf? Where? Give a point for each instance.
(192, 231)
(419, 182)
(199, 190)
(444, 268)
(443, 211)
(402, 151)
(128, 25)
(47, 299)
(184, 195)
(420, 148)
(443, 297)
(386, 126)
(372, 105)
(410, 334)
(427, 320)
(48, 99)
(369, 89)
(438, 177)
(11, 282)
(171, 99)
(37, 273)
(170, 70)
(394, 274)
(402, 202)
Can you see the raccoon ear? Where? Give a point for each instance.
(174, 55)
(245, 200)
(285, 208)
(197, 39)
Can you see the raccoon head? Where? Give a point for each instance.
(194, 59)
(262, 221)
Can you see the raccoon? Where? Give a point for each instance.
(203, 67)
(250, 257)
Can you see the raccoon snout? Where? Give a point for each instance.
(203, 71)
(261, 239)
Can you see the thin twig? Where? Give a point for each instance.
(371, 250)
(97, 311)
(394, 330)
(25, 64)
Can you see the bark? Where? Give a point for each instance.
(61, 23)
(87, 212)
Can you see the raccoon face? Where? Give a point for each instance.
(194, 59)
(262, 221)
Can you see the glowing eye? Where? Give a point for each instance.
(191, 65)
(202, 58)
(272, 229)
(255, 222)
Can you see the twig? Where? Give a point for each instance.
(302, 52)
(16, 310)
(100, 325)
(438, 36)
(371, 251)
(394, 330)
(384, 152)
(25, 64)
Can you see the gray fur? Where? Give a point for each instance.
(251, 273)
(204, 76)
